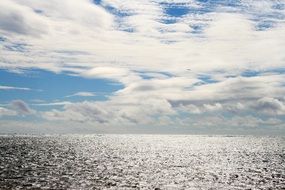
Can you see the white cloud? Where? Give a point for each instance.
(83, 94)
(20, 19)
(213, 107)
(80, 12)
(190, 108)
(233, 123)
(21, 107)
(121, 111)
(79, 112)
(270, 106)
(144, 101)
(159, 64)
(53, 103)
(229, 42)
(13, 88)
(113, 73)
(7, 112)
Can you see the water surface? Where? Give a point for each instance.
(142, 162)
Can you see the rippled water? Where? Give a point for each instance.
(142, 162)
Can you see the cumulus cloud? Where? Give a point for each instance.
(83, 12)
(21, 107)
(121, 112)
(20, 19)
(270, 106)
(143, 102)
(190, 108)
(235, 88)
(16, 107)
(79, 112)
(213, 107)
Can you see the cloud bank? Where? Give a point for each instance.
(184, 63)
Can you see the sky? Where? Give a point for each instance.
(147, 66)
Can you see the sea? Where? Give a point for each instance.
(141, 162)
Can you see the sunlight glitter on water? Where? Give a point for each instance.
(142, 162)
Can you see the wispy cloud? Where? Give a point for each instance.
(82, 94)
(53, 103)
(13, 88)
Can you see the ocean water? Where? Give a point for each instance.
(142, 162)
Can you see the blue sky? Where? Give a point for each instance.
(48, 86)
(142, 66)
